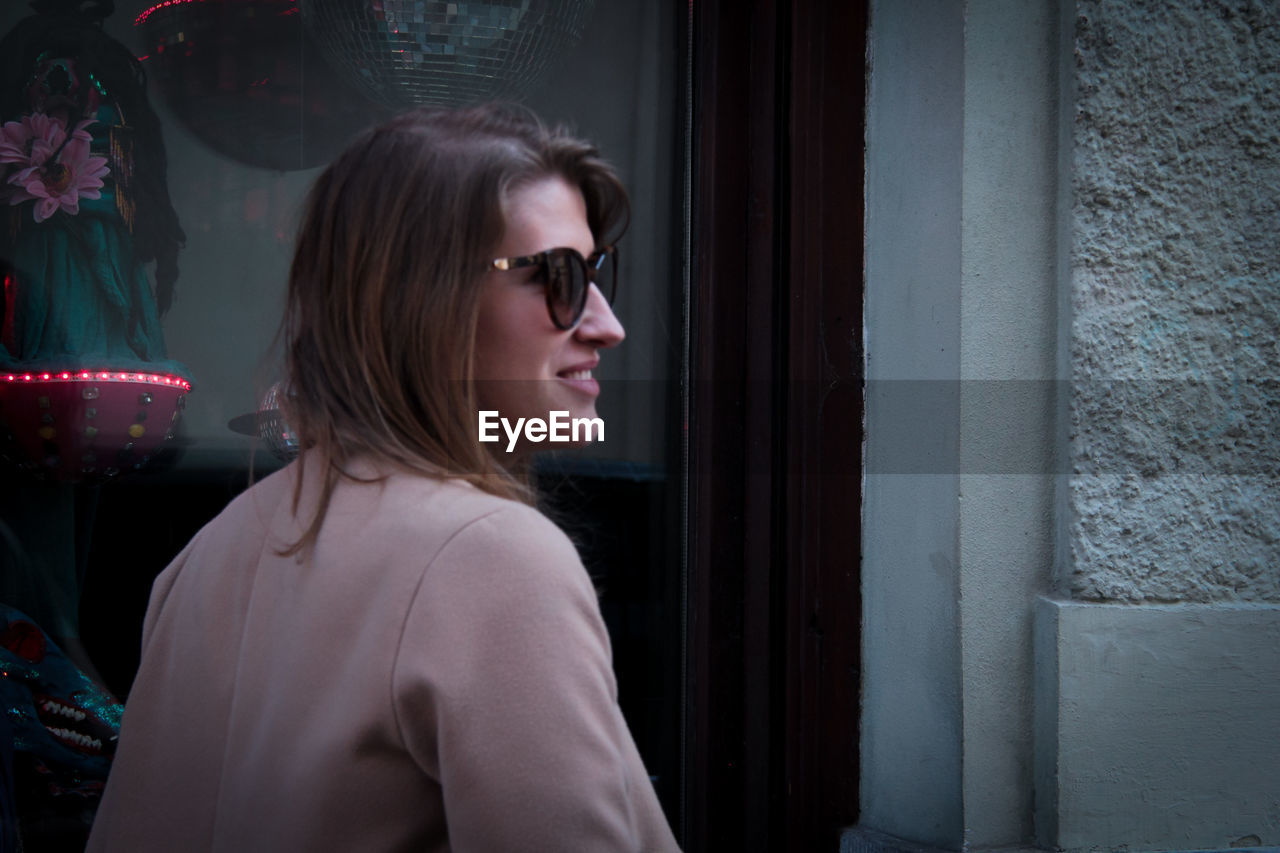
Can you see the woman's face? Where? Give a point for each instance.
(525, 366)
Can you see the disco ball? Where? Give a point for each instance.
(274, 431)
(243, 76)
(411, 52)
(268, 424)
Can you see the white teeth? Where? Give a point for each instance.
(76, 737)
(52, 707)
(577, 374)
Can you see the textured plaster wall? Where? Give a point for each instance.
(1175, 257)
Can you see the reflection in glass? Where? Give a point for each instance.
(249, 107)
(407, 52)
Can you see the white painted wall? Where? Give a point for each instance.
(1009, 323)
(911, 713)
(961, 273)
(958, 528)
(1165, 723)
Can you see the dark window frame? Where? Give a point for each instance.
(775, 428)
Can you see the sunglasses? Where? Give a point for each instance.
(568, 277)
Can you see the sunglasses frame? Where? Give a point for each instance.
(590, 266)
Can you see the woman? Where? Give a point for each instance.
(385, 646)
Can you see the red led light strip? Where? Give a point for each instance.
(99, 376)
(146, 14)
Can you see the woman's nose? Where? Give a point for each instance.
(599, 325)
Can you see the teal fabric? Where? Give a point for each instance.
(81, 300)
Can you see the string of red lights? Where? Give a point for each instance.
(148, 12)
(99, 376)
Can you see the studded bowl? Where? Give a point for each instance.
(410, 52)
(87, 426)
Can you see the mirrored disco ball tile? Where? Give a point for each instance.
(408, 52)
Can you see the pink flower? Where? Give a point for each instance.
(13, 142)
(34, 137)
(53, 170)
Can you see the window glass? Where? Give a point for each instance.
(144, 276)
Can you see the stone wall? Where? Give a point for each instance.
(1175, 257)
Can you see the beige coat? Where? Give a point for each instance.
(435, 677)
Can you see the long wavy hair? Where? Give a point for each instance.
(383, 298)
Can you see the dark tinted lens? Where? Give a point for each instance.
(566, 286)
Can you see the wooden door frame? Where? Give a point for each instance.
(775, 426)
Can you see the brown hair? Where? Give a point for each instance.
(382, 304)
